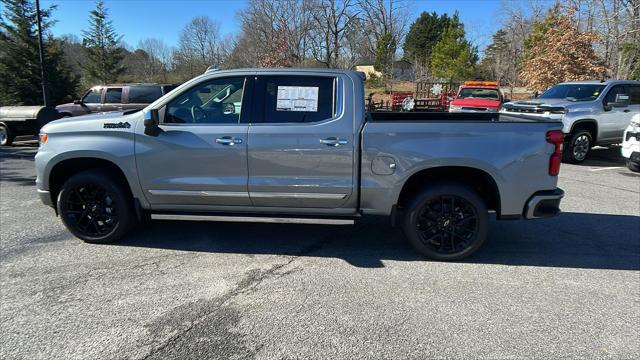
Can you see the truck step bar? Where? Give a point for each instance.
(253, 218)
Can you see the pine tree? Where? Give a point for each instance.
(385, 50)
(103, 55)
(495, 64)
(423, 34)
(453, 56)
(20, 78)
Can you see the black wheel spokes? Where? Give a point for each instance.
(91, 210)
(447, 224)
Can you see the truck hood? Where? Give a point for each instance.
(542, 106)
(541, 103)
(495, 104)
(121, 120)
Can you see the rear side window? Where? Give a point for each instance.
(144, 94)
(93, 96)
(298, 99)
(113, 96)
(168, 88)
(634, 94)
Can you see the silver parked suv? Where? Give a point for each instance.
(592, 112)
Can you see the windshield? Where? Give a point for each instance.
(574, 92)
(478, 93)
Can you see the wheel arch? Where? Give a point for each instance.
(591, 125)
(477, 179)
(65, 169)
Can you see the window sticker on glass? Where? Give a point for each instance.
(297, 98)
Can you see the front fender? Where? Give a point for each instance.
(116, 147)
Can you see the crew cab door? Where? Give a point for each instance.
(301, 143)
(199, 156)
(614, 120)
(91, 101)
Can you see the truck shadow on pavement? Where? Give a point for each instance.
(573, 240)
(604, 157)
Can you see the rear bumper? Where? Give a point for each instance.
(543, 204)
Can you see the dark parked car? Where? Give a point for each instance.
(120, 97)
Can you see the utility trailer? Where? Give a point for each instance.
(23, 121)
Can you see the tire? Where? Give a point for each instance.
(6, 136)
(95, 208)
(441, 234)
(577, 148)
(633, 166)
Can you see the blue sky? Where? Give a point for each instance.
(163, 19)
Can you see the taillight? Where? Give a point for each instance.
(555, 137)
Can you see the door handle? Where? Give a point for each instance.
(627, 110)
(333, 141)
(228, 140)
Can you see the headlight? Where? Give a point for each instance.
(558, 111)
(455, 108)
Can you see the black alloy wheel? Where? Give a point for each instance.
(91, 210)
(447, 222)
(94, 207)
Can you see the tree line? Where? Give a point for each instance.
(535, 47)
(571, 40)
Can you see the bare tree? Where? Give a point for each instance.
(331, 20)
(384, 16)
(158, 61)
(198, 47)
(274, 32)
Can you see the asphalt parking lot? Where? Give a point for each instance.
(562, 287)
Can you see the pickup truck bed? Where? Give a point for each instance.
(453, 143)
(314, 152)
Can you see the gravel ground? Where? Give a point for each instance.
(562, 287)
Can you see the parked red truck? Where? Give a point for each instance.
(477, 96)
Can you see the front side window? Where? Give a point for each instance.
(144, 94)
(113, 96)
(298, 99)
(616, 90)
(93, 96)
(217, 101)
(574, 92)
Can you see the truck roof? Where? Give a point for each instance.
(285, 70)
(603, 82)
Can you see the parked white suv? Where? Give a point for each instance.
(631, 144)
(592, 112)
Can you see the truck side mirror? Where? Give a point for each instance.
(151, 121)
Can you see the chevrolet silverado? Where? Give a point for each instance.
(276, 144)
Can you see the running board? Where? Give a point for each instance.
(254, 219)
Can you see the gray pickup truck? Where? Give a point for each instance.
(276, 144)
(592, 112)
